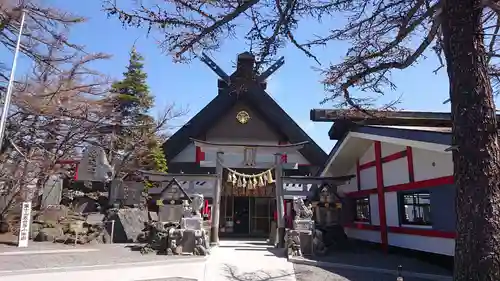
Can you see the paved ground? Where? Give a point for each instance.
(247, 261)
(156, 271)
(50, 255)
(376, 259)
(234, 260)
(171, 279)
(312, 273)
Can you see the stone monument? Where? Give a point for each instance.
(192, 235)
(172, 202)
(300, 238)
(52, 191)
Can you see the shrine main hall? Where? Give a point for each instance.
(242, 112)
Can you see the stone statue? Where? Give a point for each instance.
(187, 210)
(301, 210)
(197, 203)
(293, 243)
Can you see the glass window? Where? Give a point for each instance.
(416, 208)
(362, 209)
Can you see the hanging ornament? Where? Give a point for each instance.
(261, 181)
(229, 177)
(235, 179)
(244, 182)
(269, 176)
(264, 177)
(250, 184)
(255, 182)
(239, 183)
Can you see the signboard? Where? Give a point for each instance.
(24, 228)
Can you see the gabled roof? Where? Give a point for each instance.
(437, 135)
(180, 189)
(257, 98)
(431, 130)
(434, 138)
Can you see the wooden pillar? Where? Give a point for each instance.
(280, 200)
(214, 230)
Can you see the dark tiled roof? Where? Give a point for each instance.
(258, 99)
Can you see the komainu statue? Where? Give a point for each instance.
(197, 203)
(301, 210)
(187, 209)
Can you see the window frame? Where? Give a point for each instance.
(356, 218)
(402, 210)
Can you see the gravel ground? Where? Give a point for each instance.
(107, 254)
(312, 273)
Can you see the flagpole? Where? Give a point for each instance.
(8, 94)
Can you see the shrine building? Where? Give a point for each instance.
(404, 194)
(242, 112)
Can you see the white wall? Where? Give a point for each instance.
(426, 165)
(391, 208)
(351, 185)
(431, 164)
(443, 246)
(368, 178)
(389, 148)
(368, 156)
(189, 154)
(374, 213)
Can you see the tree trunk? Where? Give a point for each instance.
(476, 155)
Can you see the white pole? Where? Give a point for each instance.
(8, 94)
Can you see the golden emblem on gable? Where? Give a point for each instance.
(243, 117)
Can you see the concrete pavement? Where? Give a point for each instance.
(247, 261)
(232, 260)
(166, 270)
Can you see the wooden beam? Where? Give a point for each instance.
(290, 194)
(262, 165)
(261, 148)
(215, 68)
(164, 177)
(394, 118)
(317, 180)
(275, 66)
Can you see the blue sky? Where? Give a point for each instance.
(296, 86)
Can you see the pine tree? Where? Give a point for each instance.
(131, 102)
(132, 99)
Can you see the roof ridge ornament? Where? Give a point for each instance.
(245, 71)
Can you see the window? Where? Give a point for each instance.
(416, 208)
(362, 209)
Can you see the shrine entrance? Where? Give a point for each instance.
(241, 215)
(246, 216)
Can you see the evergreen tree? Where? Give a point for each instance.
(134, 128)
(131, 99)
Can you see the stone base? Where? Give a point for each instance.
(273, 233)
(303, 225)
(193, 223)
(306, 243)
(187, 242)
